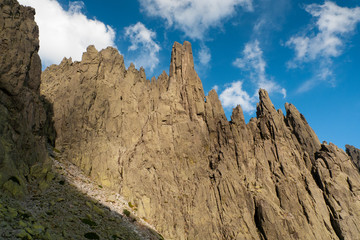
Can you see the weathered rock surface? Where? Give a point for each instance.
(23, 120)
(354, 154)
(170, 150)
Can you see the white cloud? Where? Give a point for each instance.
(234, 95)
(333, 25)
(142, 37)
(333, 22)
(253, 62)
(204, 55)
(67, 33)
(252, 59)
(193, 17)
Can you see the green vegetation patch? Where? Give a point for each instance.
(126, 212)
(88, 222)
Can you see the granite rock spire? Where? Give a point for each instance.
(170, 150)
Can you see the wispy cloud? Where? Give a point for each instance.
(271, 17)
(324, 41)
(204, 55)
(193, 17)
(323, 74)
(142, 41)
(251, 61)
(67, 33)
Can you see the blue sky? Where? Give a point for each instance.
(303, 52)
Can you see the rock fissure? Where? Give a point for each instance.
(258, 218)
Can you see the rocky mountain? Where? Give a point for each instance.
(171, 152)
(23, 113)
(160, 144)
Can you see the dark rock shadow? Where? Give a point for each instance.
(63, 212)
(48, 128)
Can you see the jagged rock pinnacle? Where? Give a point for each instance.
(265, 105)
(191, 172)
(184, 83)
(181, 59)
(303, 132)
(90, 55)
(354, 154)
(237, 116)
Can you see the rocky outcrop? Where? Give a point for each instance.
(170, 150)
(23, 121)
(354, 154)
(34, 197)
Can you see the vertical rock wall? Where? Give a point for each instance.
(22, 112)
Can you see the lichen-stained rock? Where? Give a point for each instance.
(354, 154)
(170, 150)
(22, 112)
